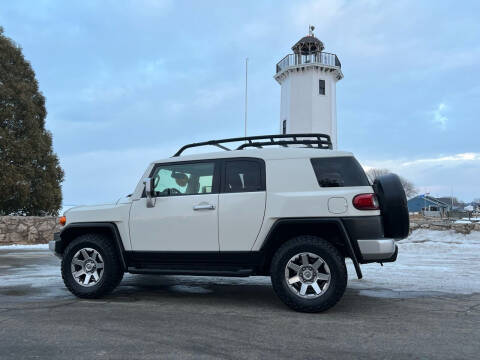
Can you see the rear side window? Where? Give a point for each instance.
(243, 176)
(339, 172)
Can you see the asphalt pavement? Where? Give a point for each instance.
(163, 317)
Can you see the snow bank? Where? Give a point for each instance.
(468, 221)
(443, 237)
(25, 247)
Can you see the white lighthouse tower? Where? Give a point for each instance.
(308, 78)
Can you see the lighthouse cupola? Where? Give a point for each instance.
(308, 45)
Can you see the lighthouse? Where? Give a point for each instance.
(308, 79)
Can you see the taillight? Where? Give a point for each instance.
(365, 202)
(62, 221)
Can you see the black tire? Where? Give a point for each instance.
(331, 256)
(112, 272)
(393, 206)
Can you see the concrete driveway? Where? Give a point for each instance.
(156, 317)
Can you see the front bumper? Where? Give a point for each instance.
(53, 245)
(377, 249)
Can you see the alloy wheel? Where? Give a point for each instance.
(307, 275)
(87, 267)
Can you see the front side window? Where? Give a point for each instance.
(339, 172)
(184, 179)
(243, 176)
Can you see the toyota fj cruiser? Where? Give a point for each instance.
(284, 206)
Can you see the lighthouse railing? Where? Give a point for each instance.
(320, 58)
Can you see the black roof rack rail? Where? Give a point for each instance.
(320, 141)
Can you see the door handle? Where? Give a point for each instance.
(204, 207)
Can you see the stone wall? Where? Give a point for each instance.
(466, 228)
(27, 229)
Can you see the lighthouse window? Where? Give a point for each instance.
(321, 87)
(284, 126)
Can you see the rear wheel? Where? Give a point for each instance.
(308, 274)
(91, 267)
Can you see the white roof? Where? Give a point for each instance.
(265, 153)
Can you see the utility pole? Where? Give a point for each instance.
(246, 94)
(424, 203)
(451, 196)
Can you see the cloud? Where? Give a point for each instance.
(441, 61)
(102, 93)
(359, 28)
(211, 97)
(110, 86)
(104, 176)
(445, 160)
(439, 174)
(256, 30)
(152, 69)
(155, 4)
(439, 118)
(441, 161)
(203, 99)
(323, 12)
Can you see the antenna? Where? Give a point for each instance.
(246, 94)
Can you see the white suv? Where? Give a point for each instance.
(285, 206)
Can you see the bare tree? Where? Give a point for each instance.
(408, 186)
(373, 173)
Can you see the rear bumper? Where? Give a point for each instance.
(377, 249)
(368, 241)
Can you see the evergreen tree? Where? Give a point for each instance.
(30, 173)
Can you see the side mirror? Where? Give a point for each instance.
(149, 191)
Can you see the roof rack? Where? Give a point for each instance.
(320, 141)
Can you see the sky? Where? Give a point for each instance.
(129, 82)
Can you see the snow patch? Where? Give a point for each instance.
(429, 262)
(25, 247)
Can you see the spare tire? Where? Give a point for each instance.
(393, 206)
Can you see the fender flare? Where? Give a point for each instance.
(74, 229)
(345, 237)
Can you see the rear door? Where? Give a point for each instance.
(241, 203)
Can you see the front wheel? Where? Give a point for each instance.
(91, 267)
(308, 274)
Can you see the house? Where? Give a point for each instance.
(453, 202)
(475, 206)
(428, 205)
